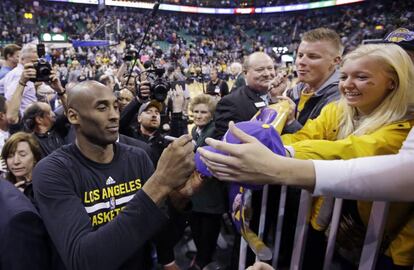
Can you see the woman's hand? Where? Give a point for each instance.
(242, 162)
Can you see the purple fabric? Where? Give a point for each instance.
(259, 127)
(266, 134)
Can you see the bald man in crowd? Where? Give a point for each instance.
(242, 104)
(100, 199)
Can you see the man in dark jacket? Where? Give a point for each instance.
(148, 130)
(242, 105)
(23, 238)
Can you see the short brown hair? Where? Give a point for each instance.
(10, 49)
(11, 145)
(324, 34)
(204, 99)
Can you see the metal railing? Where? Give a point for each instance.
(372, 242)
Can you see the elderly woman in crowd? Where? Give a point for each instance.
(21, 153)
(210, 202)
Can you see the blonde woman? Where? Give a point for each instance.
(371, 118)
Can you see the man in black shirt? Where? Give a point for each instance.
(50, 131)
(216, 86)
(99, 199)
(149, 127)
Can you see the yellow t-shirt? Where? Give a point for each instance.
(304, 97)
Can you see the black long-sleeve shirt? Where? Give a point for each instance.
(96, 214)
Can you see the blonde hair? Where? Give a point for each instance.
(204, 99)
(396, 105)
(325, 34)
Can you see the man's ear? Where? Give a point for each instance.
(73, 116)
(337, 60)
(139, 119)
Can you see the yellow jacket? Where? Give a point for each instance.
(317, 140)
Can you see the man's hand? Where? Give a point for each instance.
(145, 91)
(190, 187)
(175, 166)
(55, 82)
(278, 86)
(177, 96)
(29, 72)
(260, 266)
(180, 196)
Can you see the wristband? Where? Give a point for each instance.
(22, 84)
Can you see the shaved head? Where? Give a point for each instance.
(83, 93)
(93, 111)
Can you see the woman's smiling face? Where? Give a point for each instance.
(364, 83)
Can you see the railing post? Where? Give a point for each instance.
(242, 254)
(263, 210)
(336, 217)
(373, 238)
(301, 230)
(279, 226)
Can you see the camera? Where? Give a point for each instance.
(130, 54)
(43, 71)
(159, 86)
(42, 67)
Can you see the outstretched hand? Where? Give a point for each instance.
(249, 162)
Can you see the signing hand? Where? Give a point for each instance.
(176, 163)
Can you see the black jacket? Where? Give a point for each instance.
(220, 85)
(239, 82)
(138, 143)
(238, 106)
(211, 198)
(156, 142)
(23, 238)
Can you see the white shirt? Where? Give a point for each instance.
(388, 177)
(11, 81)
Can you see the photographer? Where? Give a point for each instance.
(26, 91)
(38, 117)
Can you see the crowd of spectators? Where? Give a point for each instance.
(195, 41)
(226, 3)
